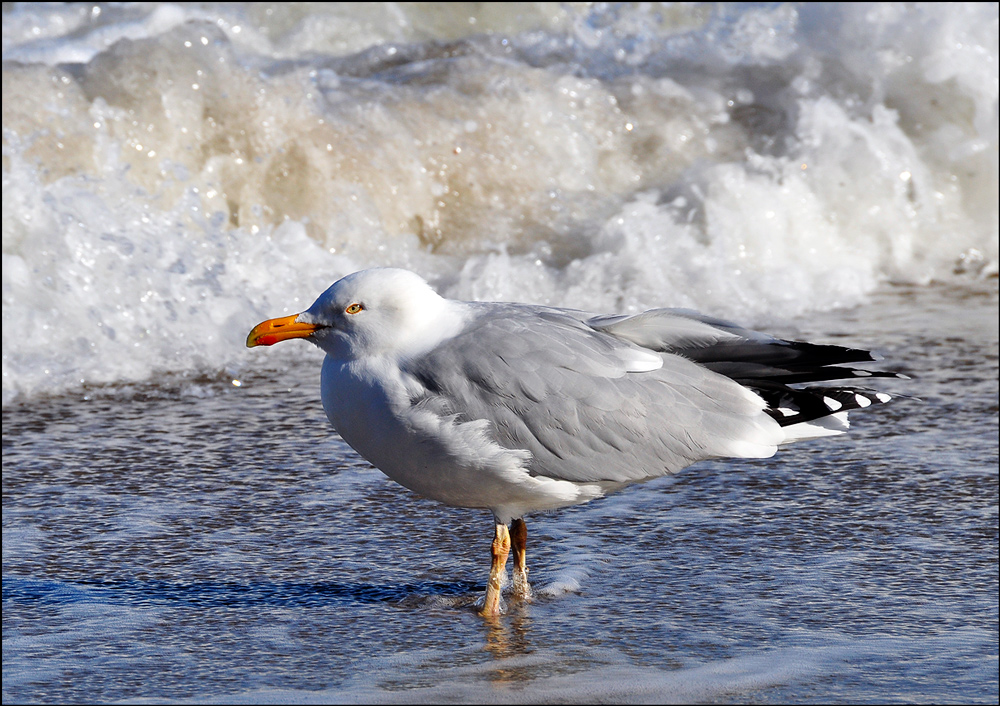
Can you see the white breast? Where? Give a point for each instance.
(438, 457)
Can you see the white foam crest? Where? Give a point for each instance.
(96, 294)
(747, 161)
(569, 578)
(41, 36)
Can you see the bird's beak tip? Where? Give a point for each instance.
(272, 331)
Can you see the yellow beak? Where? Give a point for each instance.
(272, 331)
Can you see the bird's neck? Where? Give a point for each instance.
(439, 321)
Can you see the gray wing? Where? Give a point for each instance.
(586, 403)
(772, 367)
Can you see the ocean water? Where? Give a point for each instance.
(180, 523)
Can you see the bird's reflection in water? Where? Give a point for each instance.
(507, 638)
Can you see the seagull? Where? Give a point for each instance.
(517, 408)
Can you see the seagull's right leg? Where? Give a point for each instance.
(519, 543)
(498, 570)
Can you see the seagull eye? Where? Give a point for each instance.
(354, 308)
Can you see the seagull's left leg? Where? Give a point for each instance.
(498, 570)
(519, 543)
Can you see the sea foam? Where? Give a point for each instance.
(172, 174)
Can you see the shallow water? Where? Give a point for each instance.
(199, 541)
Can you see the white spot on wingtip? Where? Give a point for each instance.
(882, 397)
(862, 373)
(832, 404)
(786, 412)
(862, 401)
(643, 363)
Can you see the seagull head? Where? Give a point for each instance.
(377, 312)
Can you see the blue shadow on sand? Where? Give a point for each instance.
(139, 592)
